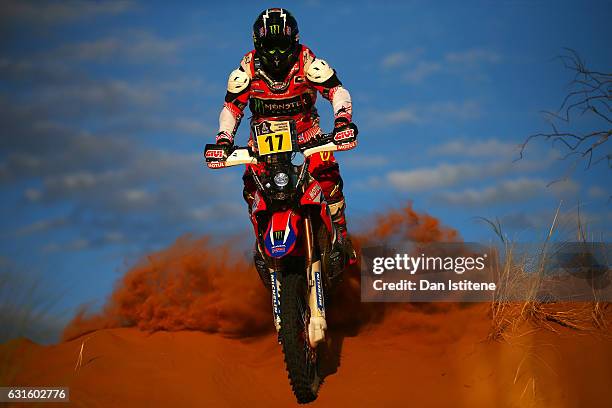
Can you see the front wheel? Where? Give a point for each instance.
(300, 357)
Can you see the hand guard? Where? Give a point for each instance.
(344, 129)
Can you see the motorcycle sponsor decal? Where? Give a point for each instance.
(279, 249)
(264, 128)
(215, 165)
(313, 195)
(275, 297)
(255, 203)
(325, 156)
(345, 134)
(215, 154)
(281, 107)
(315, 191)
(347, 146)
(258, 203)
(319, 289)
(279, 243)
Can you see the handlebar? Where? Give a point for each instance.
(218, 156)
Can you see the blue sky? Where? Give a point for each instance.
(106, 108)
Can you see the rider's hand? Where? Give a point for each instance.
(341, 124)
(225, 139)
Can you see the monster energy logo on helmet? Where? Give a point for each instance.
(275, 21)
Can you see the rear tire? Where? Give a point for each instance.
(300, 358)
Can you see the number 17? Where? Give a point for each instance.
(279, 136)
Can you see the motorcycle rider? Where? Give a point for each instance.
(281, 78)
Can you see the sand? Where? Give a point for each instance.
(420, 358)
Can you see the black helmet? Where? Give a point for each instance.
(276, 40)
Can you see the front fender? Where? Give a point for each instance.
(282, 233)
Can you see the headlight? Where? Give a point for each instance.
(281, 179)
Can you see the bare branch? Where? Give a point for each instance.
(590, 94)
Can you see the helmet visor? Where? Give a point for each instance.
(277, 44)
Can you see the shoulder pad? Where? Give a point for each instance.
(319, 71)
(246, 63)
(238, 81)
(307, 56)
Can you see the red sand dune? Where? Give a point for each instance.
(191, 326)
(414, 358)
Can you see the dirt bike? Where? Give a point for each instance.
(299, 254)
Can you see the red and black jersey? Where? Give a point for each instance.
(294, 97)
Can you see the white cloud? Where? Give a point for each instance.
(136, 196)
(111, 185)
(96, 98)
(473, 56)
(32, 194)
(75, 181)
(402, 115)
(567, 221)
(394, 59)
(504, 192)
(58, 12)
(400, 58)
(360, 160)
(564, 188)
(421, 70)
(426, 113)
(74, 245)
(597, 192)
(508, 191)
(41, 226)
(134, 46)
(415, 70)
(450, 175)
(475, 148)
(464, 110)
(211, 212)
(443, 175)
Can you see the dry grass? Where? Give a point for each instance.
(24, 313)
(79, 362)
(522, 274)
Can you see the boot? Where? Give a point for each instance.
(338, 218)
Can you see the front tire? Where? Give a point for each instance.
(300, 357)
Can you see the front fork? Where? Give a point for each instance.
(316, 299)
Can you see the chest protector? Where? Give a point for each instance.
(292, 98)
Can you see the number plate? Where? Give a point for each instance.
(273, 137)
